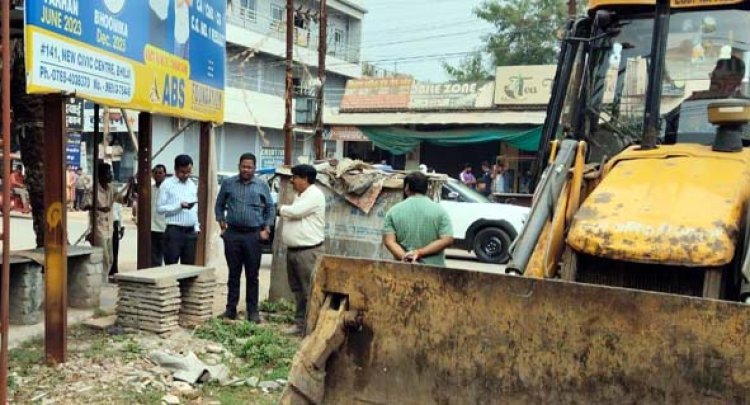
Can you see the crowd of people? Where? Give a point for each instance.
(416, 230)
(492, 179)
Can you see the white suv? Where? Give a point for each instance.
(479, 225)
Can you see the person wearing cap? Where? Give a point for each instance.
(303, 235)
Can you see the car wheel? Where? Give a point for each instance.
(491, 245)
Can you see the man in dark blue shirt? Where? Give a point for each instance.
(244, 210)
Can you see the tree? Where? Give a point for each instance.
(470, 69)
(28, 128)
(526, 33)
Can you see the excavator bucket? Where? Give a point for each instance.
(436, 335)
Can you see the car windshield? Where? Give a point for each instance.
(466, 194)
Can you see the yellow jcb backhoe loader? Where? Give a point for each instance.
(628, 283)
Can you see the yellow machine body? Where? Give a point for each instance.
(676, 205)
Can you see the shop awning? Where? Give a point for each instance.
(400, 141)
(437, 118)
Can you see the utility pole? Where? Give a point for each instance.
(289, 82)
(322, 50)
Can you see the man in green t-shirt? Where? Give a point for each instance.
(417, 230)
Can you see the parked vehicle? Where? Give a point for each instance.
(479, 225)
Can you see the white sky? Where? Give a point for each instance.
(399, 33)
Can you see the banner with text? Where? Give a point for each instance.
(377, 94)
(161, 56)
(452, 95)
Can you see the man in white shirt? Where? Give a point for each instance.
(303, 234)
(158, 222)
(178, 202)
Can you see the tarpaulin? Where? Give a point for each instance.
(400, 141)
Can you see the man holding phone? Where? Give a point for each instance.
(178, 199)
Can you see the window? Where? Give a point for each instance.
(300, 21)
(247, 10)
(277, 15)
(338, 37)
(338, 47)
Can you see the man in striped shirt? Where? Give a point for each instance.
(244, 210)
(178, 202)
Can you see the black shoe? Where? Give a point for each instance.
(254, 318)
(231, 315)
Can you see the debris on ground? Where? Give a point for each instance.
(120, 365)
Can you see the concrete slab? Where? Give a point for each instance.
(156, 274)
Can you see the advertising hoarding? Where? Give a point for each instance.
(161, 56)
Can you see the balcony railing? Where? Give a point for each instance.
(272, 28)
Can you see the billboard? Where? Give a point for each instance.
(453, 95)
(377, 94)
(161, 56)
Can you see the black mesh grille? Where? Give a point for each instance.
(649, 277)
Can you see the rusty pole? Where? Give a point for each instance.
(289, 82)
(5, 280)
(55, 238)
(322, 50)
(203, 208)
(144, 189)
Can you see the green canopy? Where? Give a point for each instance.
(400, 141)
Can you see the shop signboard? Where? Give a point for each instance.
(271, 157)
(116, 119)
(74, 114)
(158, 56)
(73, 149)
(348, 134)
(377, 94)
(452, 95)
(524, 85)
(532, 85)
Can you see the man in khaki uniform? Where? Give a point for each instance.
(104, 227)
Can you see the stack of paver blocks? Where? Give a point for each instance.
(197, 295)
(158, 299)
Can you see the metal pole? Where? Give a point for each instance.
(655, 72)
(5, 280)
(55, 238)
(95, 176)
(289, 82)
(203, 209)
(322, 50)
(144, 190)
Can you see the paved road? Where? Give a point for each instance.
(459, 259)
(22, 237)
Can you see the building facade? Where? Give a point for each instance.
(255, 81)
